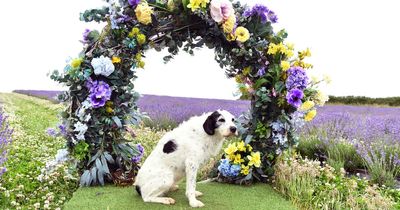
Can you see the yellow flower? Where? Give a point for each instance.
(245, 170)
(109, 110)
(241, 146)
(116, 59)
(290, 46)
(249, 148)
(196, 4)
(230, 37)
(305, 53)
(327, 79)
(231, 149)
(310, 115)
(231, 157)
(242, 34)
(238, 159)
(272, 49)
(140, 64)
(171, 5)
(246, 71)
(135, 31)
(75, 63)
(143, 13)
(254, 159)
(141, 39)
(229, 24)
(138, 56)
(320, 98)
(238, 79)
(307, 105)
(285, 65)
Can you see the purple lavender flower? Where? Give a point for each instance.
(86, 36)
(5, 139)
(262, 12)
(51, 132)
(137, 158)
(297, 78)
(100, 93)
(63, 129)
(294, 97)
(133, 3)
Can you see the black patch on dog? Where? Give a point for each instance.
(169, 147)
(138, 190)
(211, 123)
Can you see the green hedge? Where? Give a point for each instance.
(390, 101)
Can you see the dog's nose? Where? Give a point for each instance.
(233, 129)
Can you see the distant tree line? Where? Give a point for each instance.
(362, 100)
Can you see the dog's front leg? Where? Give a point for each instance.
(191, 174)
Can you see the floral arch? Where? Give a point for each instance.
(101, 98)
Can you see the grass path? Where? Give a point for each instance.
(216, 196)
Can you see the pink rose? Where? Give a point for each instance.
(221, 10)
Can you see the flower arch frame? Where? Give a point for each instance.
(101, 100)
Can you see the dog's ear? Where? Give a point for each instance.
(211, 123)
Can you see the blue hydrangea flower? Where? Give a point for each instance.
(228, 170)
(297, 78)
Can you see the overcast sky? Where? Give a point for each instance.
(355, 42)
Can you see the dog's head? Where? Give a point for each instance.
(220, 122)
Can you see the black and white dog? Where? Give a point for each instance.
(182, 151)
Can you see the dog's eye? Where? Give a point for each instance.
(233, 120)
(221, 120)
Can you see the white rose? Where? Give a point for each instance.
(103, 66)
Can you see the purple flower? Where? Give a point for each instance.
(133, 3)
(137, 158)
(100, 93)
(294, 97)
(297, 78)
(261, 72)
(86, 36)
(63, 129)
(5, 140)
(51, 132)
(261, 11)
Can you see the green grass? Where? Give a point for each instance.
(216, 196)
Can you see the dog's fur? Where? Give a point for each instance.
(182, 151)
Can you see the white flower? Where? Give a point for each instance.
(81, 128)
(88, 117)
(36, 205)
(103, 66)
(62, 155)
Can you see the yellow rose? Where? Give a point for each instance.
(143, 13)
(116, 59)
(307, 105)
(242, 34)
(310, 115)
(285, 65)
(229, 24)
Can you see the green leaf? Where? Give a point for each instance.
(117, 121)
(259, 83)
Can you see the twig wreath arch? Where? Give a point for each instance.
(102, 102)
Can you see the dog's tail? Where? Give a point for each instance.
(137, 187)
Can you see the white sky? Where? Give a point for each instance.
(355, 42)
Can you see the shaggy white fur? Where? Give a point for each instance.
(182, 151)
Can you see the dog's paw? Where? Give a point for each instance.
(198, 194)
(196, 204)
(169, 201)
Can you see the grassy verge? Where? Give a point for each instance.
(20, 186)
(216, 196)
